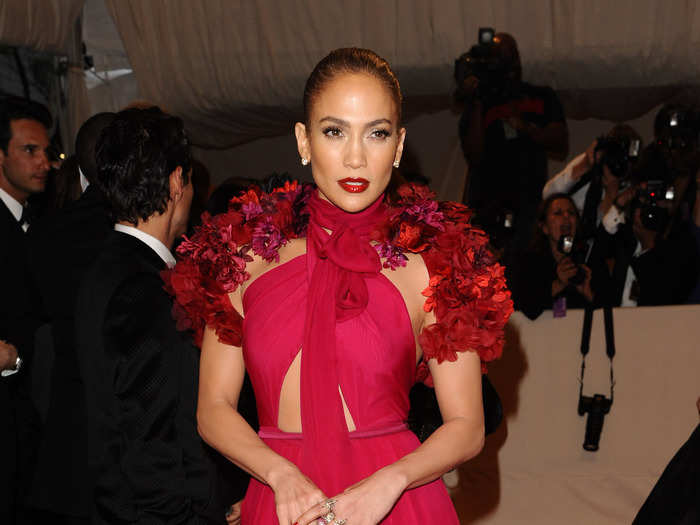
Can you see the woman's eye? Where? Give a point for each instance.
(380, 133)
(332, 132)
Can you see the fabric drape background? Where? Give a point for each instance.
(235, 70)
(39, 24)
(53, 26)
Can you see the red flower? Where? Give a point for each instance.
(288, 187)
(410, 238)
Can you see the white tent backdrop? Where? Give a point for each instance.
(235, 71)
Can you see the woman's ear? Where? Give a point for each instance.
(399, 146)
(302, 142)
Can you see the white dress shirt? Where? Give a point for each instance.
(153, 243)
(84, 183)
(14, 206)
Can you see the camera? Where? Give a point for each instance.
(596, 407)
(648, 198)
(617, 153)
(481, 62)
(678, 128)
(567, 246)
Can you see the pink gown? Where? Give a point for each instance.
(376, 369)
(358, 334)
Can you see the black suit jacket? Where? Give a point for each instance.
(61, 248)
(18, 321)
(146, 462)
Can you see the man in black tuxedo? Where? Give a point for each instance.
(61, 248)
(24, 168)
(146, 462)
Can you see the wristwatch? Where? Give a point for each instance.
(18, 366)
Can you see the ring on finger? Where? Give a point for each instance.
(328, 504)
(328, 518)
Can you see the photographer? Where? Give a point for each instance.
(653, 260)
(551, 274)
(507, 129)
(598, 178)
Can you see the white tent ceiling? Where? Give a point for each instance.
(235, 70)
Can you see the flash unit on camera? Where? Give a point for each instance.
(670, 193)
(486, 35)
(634, 148)
(673, 121)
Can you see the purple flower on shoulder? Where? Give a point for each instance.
(393, 256)
(267, 240)
(251, 210)
(426, 211)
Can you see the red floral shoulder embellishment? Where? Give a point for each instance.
(467, 289)
(212, 263)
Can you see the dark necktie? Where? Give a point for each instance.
(27, 215)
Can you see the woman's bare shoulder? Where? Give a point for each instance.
(259, 266)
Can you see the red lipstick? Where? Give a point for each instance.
(353, 185)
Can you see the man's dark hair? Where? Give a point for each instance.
(85, 142)
(16, 108)
(135, 154)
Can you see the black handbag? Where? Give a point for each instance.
(424, 415)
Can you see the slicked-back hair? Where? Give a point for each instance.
(135, 154)
(350, 60)
(17, 108)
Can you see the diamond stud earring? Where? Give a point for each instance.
(396, 163)
(304, 161)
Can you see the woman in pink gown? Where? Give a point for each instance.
(326, 315)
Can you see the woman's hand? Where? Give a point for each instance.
(294, 494)
(566, 270)
(365, 503)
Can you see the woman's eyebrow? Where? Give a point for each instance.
(342, 122)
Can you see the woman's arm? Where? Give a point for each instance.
(220, 379)
(461, 436)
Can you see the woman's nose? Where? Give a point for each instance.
(355, 154)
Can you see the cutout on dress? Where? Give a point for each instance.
(289, 401)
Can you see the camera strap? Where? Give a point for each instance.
(609, 343)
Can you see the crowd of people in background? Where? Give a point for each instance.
(618, 226)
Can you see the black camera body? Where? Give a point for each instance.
(617, 153)
(596, 407)
(568, 246)
(648, 198)
(481, 62)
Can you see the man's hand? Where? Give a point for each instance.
(8, 356)
(233, 516)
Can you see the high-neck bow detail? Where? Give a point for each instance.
(338, 264)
